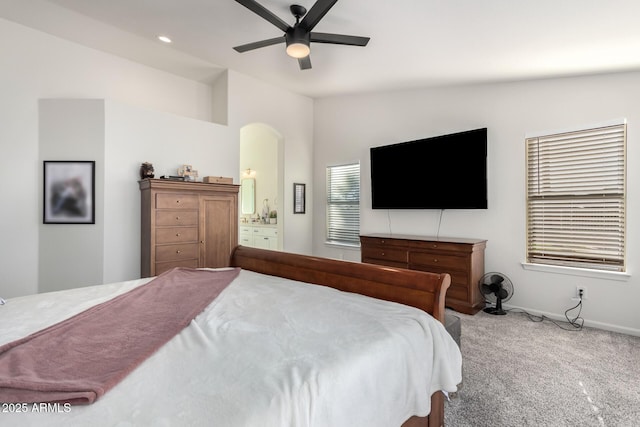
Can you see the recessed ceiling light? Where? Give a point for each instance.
(164, 39)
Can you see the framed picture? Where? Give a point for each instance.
(299, 198)
(69, 192)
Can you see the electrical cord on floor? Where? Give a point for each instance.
(575, 323)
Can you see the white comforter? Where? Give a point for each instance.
(266, 352)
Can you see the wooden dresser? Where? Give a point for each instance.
(463, 259)
(187, 224)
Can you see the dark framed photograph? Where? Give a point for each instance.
(299, 198)
(69, 192)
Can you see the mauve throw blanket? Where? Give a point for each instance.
(81, 358)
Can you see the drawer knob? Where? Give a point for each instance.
(382, 241)
(435, 246)
(382, 254)
(435, 260)
(177, 218)
(177, 234)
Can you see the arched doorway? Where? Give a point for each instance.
(262, 167)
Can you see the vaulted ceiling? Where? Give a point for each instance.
(414, 43)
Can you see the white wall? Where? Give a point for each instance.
(153, 116)
(135, 135)
(346, 127)
(118, 137)
(70, 255)
(41, 66)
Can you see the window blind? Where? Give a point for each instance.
(343, 204)
(576, 198)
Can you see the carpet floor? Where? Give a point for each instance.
(517, 372)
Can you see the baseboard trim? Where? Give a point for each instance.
(587, 322)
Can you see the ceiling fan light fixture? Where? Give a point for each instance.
(298, 42)
(298, 50)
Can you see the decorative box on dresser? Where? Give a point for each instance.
(463, 259)
(187, 224)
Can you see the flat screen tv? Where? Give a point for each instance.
(442, 172)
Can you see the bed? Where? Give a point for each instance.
(273, 349)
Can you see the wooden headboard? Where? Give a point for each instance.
(423, 290)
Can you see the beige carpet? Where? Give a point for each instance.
(517, 372)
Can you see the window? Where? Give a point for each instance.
(576, 198)
(343, 204)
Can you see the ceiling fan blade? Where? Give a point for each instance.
(315, 14)
(339, 39)
(257, 45)
(305, 63)
(264, 13)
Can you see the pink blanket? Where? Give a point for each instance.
(81, 358)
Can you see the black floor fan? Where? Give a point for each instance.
(496, 288)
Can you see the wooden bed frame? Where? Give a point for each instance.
(425, 291)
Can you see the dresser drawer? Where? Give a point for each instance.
(176, 218)
(161, 267)
(176, 201)
(438, 260)
(176, 252)
(374, 241)
(458, 277)
(444, 247)
(459, 280)
(461, 258)
(459, 292)
(265, 231)
(176, 235)
(385, 262)
(385, 254)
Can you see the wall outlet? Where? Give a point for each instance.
(584, 292)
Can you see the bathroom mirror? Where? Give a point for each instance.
(248, 196)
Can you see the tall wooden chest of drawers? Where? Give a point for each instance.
(186, 224)
(463, 259)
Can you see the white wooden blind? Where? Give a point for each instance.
(343, 204)
(576, 198)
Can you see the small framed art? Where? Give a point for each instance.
(299, 198)
(69, 192)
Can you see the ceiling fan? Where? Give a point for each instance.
(299, 36)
